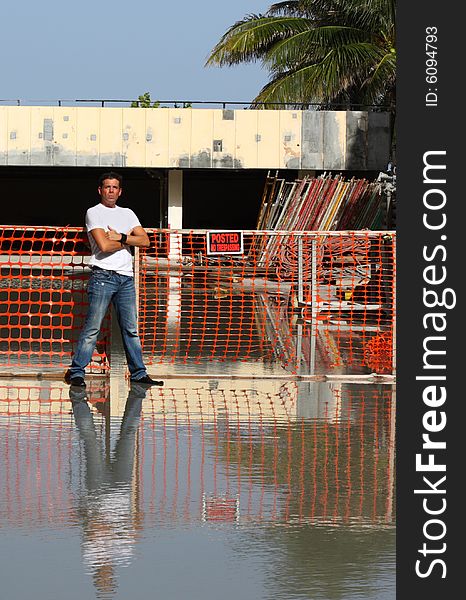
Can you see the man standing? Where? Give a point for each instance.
(111, 230)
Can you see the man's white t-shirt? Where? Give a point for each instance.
(120, 219)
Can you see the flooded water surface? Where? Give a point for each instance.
(254, 489)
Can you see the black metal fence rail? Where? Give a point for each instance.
(224, 104)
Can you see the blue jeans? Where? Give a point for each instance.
(105, 287)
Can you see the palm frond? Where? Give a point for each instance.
(247, 40)
(310, 46)
(291, 7)
(381, 80)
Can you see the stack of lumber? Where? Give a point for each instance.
(322, 203)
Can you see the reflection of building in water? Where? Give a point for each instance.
(108, 506)
(270, 450)
(33, 398)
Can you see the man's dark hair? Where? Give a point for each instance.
(111, 175)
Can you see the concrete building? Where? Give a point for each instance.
(183, 167)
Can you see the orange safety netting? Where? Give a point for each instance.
(292, 302)
(42, 297)
(308, 302)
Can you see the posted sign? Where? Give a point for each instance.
(224, 242)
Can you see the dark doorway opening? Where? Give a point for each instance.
(224, 199)
(60, 196)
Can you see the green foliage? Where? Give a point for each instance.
(144, 101)
(318, 52)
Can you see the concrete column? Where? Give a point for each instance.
(175, 211)
(175, 221)
(175, 199)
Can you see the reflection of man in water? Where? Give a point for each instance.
(108, 511)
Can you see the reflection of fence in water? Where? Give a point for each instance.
(207, 450)
(193, 308)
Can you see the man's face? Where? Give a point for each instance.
(109, 192)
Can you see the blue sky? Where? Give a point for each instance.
(59, 49)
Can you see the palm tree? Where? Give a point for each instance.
(321, 52)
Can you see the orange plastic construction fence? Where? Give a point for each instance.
(42, 298)
(288, 302)
(306, 302)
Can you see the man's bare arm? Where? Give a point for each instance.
(105, 245)
(136, 237)
(109, 241)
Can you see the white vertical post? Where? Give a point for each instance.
(175, 211)
(175, 221)
(300, 270)
(299, 332)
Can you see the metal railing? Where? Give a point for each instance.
(224, 104)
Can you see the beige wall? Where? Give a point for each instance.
(192, 138)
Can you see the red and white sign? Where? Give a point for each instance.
(224, 242)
